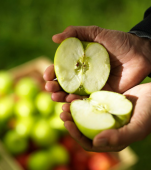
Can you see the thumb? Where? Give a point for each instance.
(120, 137)
(84, 33)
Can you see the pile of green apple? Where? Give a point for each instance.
(32, 131)
(83, 68)
(28, 116)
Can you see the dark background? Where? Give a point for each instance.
(26, 28)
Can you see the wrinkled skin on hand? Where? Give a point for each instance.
(130, 59)
(117, 139)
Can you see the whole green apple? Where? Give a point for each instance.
(56, 123)
(59, 154)
(6, 112)
(81, 67)
(44, 103)
(39, 160)
(102, 110)
(6, 82)
(6, 107)
(27, 87)
(24, 107)
(24, 125)
(14, 143)
(58, 108)
(42, 134)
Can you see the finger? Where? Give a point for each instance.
(66, 107)
(72, 97)
(139, 126)
(119, 137)
(66, 116)
(58, 38)
(84, 33)
(52, 86)
(77, 135)
(108, 148)
(59, 96)
(87, 143)
(49, 73)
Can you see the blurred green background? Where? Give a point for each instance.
(26, 28)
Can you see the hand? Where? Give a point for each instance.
(129, 58)
(117, 139)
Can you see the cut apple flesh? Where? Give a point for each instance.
(102, 110)
(81, 68)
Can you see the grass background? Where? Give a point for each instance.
(26, 28)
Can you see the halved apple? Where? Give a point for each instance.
(102, 110)
(81, 67)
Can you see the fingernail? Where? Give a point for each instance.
(101, 142)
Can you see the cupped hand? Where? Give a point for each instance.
(117, 139)
(129, 58)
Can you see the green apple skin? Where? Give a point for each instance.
(44, 104)
(23, 126)
(6, 107)
(56, 123)
(78, 81)
(113, 109)
(6, 112)
(39, 160)
(27, 87)
(59, 154)
(14, 143)
(58, 108)
(91, 133)
(81, 91)
(6, 83)
(24, 107)
(43, 135)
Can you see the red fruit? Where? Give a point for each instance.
(100, 161)
(62, 168)
(22, 160)
(69, 143)
(80, 160)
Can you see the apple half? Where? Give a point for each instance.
(101, 111)
(81, 67)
